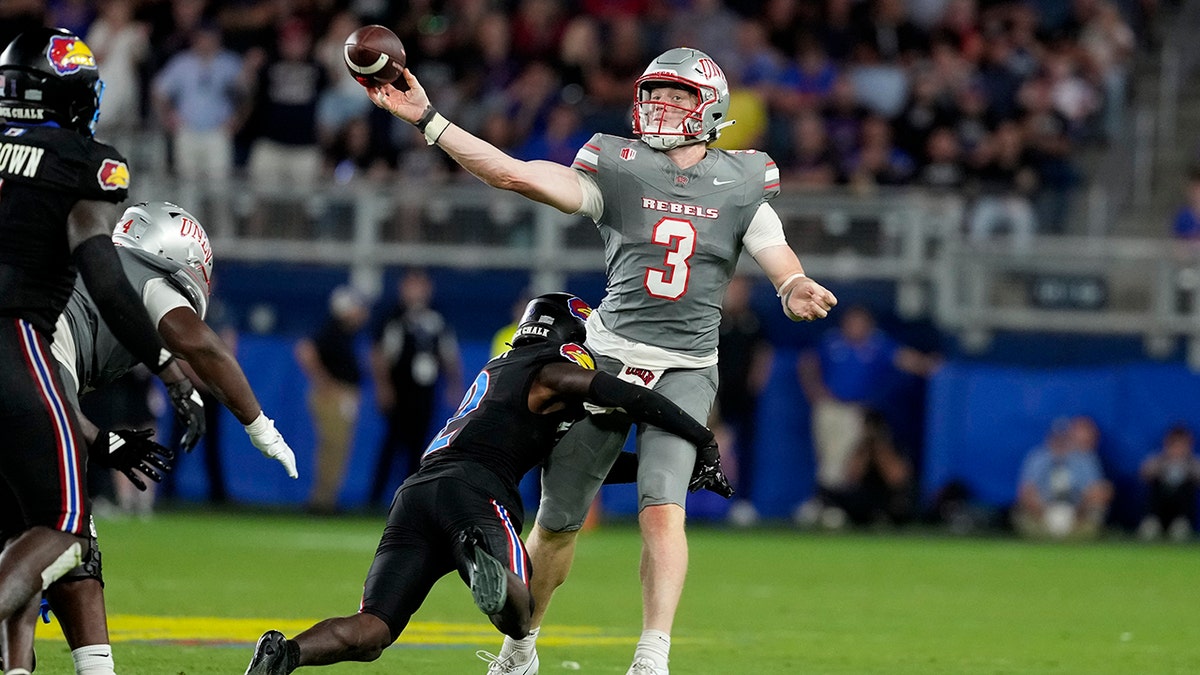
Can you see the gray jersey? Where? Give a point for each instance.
(99, 356)
(672, 236)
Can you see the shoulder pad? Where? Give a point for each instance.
(588, 157)
(762, 172)
(110, 179)
(174, 274)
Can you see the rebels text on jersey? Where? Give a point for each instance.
(672, 236)
(494, 426)
(44, 172)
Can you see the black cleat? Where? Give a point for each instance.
(489, 580)
(270, 655)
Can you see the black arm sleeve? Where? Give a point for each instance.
(647, 406)
(118, 303)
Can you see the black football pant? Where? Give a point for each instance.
(42, 451)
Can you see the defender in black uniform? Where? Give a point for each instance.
(58, 194)
(462, 511)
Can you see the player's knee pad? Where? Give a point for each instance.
(661, 485)
(665, 467)
(68, 559)
(563, 513)
(89, 567)
(576, 468)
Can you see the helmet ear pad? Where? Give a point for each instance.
(552, 317)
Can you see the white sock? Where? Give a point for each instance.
(654, 645)
(524, 645)
(93, 660)
(17, 671)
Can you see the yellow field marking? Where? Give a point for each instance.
(132, 628)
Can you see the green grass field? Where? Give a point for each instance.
(189, 594)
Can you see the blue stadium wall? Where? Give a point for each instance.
(972, 422)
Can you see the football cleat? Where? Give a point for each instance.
(489, 582)
(270, 655)
(516, 663)
(644, 666)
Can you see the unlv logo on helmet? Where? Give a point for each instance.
(69, 54)
(190, 229)
(579, 308)
(578, 355)
(709, 68)
(113, 175)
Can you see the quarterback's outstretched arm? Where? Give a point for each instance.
(188, 336)
(539, 180)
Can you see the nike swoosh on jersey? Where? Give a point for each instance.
(717, 181)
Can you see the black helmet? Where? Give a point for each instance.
(552, 317)
(49, 74)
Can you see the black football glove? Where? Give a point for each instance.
(707, 474)
(128, 451)
(189, 408)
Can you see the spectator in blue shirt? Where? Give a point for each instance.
(1062, 491)
(845, 376)
(199, 96)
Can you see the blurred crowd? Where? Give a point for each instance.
(982, 97)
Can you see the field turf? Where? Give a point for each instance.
(188, 593)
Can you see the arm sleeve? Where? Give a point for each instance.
(593, 199)
(119, 304)
(159, 298)
(765, 231)
(647, 406)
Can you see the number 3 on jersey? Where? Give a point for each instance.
(679, 238)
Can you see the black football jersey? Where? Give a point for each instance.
(44, 172)
(494, 426)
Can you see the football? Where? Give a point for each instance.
(375, 57)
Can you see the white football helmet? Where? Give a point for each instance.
(689, 69)
(168, 231)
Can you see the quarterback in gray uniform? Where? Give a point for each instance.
(165, 254)
(675, 216)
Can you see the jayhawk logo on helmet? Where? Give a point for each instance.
(578, 355)
(580, 309)
(68, 54)
(113, 175)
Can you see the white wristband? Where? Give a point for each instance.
(435, 128)
(260, 425)
(783, 288)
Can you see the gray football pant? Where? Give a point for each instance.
(576, 468)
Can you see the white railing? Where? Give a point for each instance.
(1091, 285)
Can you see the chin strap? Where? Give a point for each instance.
(661, 142)
(716, 132)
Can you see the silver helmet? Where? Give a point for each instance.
(166, 230)
(689, 69)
